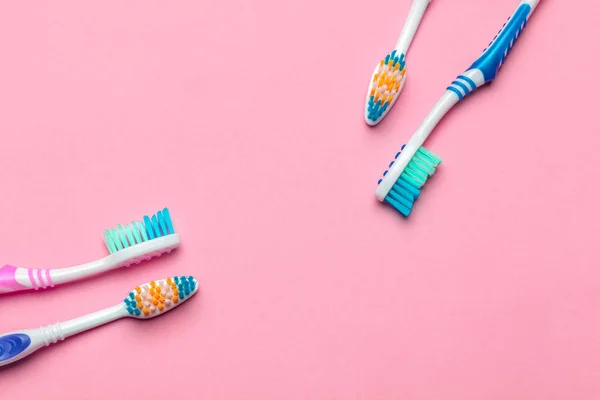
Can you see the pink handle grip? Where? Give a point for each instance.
(13, 279)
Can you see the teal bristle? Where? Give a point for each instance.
(122, 237)
(407, 188)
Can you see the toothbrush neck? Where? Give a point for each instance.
(417, 10)
(532, 3)
(444, 104)
(90, 321)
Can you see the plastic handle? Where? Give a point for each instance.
(485, 68)
(415, 15)
(13, 279)
(20, 344)
(13, 345)
(494, 55)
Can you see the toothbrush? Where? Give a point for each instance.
(136, 242)
(414, 164)
(389, 76)
(144, 302)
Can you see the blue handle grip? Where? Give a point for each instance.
(493, 57)
(12, 345)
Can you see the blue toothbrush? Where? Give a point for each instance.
(414, 164)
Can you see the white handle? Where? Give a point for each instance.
(532, 3)
(415, 15)
(14, 279)
(20, 344)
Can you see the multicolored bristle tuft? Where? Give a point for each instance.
(407, 188)
(157, 297)
(158, 225)
(385, 87)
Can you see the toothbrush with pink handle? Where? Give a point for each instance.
(128, 245)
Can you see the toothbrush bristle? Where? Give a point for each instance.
(158, 297)
(407, 188)
(137, 232)
(385, 86)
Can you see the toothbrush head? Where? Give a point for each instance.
(157, 297)
(385, 87)
(402, 191)
(139, 241)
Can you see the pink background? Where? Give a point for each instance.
(245, 118)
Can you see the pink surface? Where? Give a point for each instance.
(245, 118)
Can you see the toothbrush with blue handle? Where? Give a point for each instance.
(144, 302)
(413, 165)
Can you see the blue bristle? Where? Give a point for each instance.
(131, 295)
(405, 191)
(148, 226)
(176, 279)
(163, 224)
(408, 187)
(393, 54)
(130, 310)
(156, 226)
(137, 312)
(167, 216)
(398, 206)
(402, 197)
(403, 146)
(126, 301)
(392, 163)
(385, 172)
(379, 181)
(387, 58)
(397, 155)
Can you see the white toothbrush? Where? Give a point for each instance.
(128, 245)
(144, 302)
(389, 76)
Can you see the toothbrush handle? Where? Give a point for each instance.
(19, 344)
(13, 279)
(415, 15)
(485, 68)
